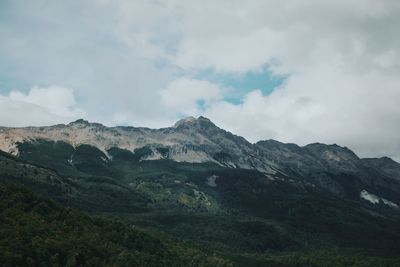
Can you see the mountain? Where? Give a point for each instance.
(190, 140)
(331, 167)
(262, 204)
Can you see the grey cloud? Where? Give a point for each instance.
(341, 59)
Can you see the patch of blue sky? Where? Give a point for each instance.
(240, 85)
(10, 80)
(201, 104)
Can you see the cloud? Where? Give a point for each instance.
(289, 36)
(341, 60)
(325, 105)
(40, 106)
(140, 61)
(59, 101)
(183, 95)
(107, 58)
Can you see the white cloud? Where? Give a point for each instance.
(183, 95)
(290, 35)
(137, 61)
(341, 59)
(40, 106)
(325, 105)
(56, 100)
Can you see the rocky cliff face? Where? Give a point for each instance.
(189, 140)
(331, 167)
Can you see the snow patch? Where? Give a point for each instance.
(389, 203)
(374, 199)
(71, 162)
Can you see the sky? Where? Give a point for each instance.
(300, 71)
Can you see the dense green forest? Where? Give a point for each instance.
(128, 212)
(35, 231)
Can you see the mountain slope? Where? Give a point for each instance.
(255, 204)
(331, 167)
(190, 141)
(38, 232)
(233, 212)
(156, 189)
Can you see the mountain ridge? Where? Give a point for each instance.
(189, 126)
(199, 140)
(185, 122)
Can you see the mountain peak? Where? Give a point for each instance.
(185, 121)
(84, 123)
(193, 122)
(333, 151)
(79, 121)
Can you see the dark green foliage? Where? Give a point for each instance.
(222, 156)
(320, 258)
(53, 155)
(221, 232)
(38, 232)
(243, 215)
(142, 152)
(164, 151)
(90, 160)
